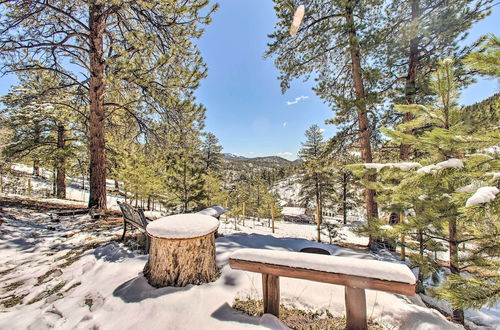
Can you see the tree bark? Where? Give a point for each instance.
(457, 314)
(344, 197)
(61, 168)
(318, 208)
(363, 123)
(54, 183)
(420, 281)
(411, 77)
(97, 196)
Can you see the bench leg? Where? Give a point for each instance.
(271, 293)
(124, 230)
(355, 305)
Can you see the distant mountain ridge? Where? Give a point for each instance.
(264, 159)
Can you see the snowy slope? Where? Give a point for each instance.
(74, 191)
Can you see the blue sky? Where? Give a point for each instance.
(245, 107)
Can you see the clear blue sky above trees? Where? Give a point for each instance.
(245, 107)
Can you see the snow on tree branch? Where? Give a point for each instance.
(450, 163)
(482, 195)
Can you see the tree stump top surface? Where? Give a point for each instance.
(182, 226)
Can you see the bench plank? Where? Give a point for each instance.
(326, 277)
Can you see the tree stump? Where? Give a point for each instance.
(182, 250)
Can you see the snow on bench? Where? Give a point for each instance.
(355, 274)
(214, 211)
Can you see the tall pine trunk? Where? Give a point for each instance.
(420, 281)
(54, 183)
(344, 197)
(36, 141)
(97, 196)
(411, 77)
(457, 314)
(318, 208)
(363, 123)
(61, 166)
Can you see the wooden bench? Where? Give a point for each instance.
(355, 274)
(135, 218)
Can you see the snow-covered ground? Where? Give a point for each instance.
(75, 275)
(74, 192)
(290, 229)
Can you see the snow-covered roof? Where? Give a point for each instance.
(382, 270)
(181, 226)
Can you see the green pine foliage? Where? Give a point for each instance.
(486, 60)
(433, 199)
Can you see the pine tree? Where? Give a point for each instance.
(115, 47)
(315, 174)
(345, 185)
(40, 112)
(433, 198)
(212, 155)
(337, 44)
(185, 169)
(412, 49)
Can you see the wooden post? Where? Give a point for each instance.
(318, 222)
(355, 306)
(271, 293)
(402, 241)
(244, 214)
(403, 251)
(29, 187)
(272, 217)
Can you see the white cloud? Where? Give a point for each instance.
(297, 99)
(322, 130)
(284, 124)
(287, 155)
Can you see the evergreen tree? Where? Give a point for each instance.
(417, 35)
(40, 113)
(212, 155)
(185, 168)
(336, 43)
(114, 47)
(435, 198)
(345, 185)
(315, 175)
